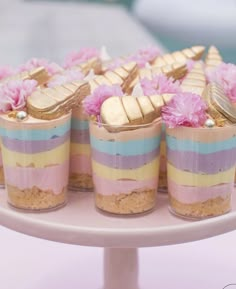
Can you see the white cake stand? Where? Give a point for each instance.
(80, 223)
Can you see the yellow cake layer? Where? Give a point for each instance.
(199, 180)
(145, 172)
(39, 160)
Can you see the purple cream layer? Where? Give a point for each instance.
(31, 147)
(124, 162)
(202, 163)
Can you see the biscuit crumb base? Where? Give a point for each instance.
(209, 208)
(132, 203)
(79, 181)
(35, 199)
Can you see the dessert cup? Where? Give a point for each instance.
(2, 182)
(80, 177)
(125, 163)
(162, 183)
(36, 161)
(200, 170)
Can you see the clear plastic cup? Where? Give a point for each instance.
(2, 179)
(80, 153)
(200, 169)
(125, 162)
(36, 162)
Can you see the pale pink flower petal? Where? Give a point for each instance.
(225, 76)
(51, 67)
(117, 62)
(159, 84)
(92, 103)
(65, 77)
(145, 55)
(6, 71)
(185, 109)
(13, 94)
(77, 57)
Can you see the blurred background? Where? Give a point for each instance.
(52, 28)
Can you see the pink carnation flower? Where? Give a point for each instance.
(65, 77)
(116, 63)
(6, 71)
(190, 64)
(185, 109)
(13, 94)
(51, 67)
(77, 57)
(145, 55)
(225, 76)
(159, 84)
(92, 103)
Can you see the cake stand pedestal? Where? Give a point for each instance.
(80, 223)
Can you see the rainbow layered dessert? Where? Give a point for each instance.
(200, 152)
(36, 161)
(2, 179)
(201, 165)
(125, 144)
(80, 154)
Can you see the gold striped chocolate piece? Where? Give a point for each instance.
(124, 113)
(219, 106)
(182, 56)
(195, 81)
(51, 103)
(175, 70)
(222, 103)
(122, 76)
(213, 58)
(94, 64)
(39, 74)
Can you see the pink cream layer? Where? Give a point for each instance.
(190, 195)
(111, 187)
(53, 178)
(80, 164)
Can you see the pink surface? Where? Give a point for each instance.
(30, 263)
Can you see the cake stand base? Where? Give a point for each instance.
(121, 268)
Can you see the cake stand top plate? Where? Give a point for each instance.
(80, 223)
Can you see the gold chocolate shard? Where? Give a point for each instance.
(94, 64)
(122, 76)
(176, 71)
(113, 113)
(157, 102)
(213, 58)
(102, 80)
(51, 103)
(194, 53)
(93, 85)
(213, 106)
(113, 78)
(148, 111)
(222, 102)
(132, 109)
(124, 113)
(39, 74)
(195, 81)
(167, 97)
(122, 72)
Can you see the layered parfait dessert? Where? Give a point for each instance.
(200, 152)
(36, 141)
(125, 141)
